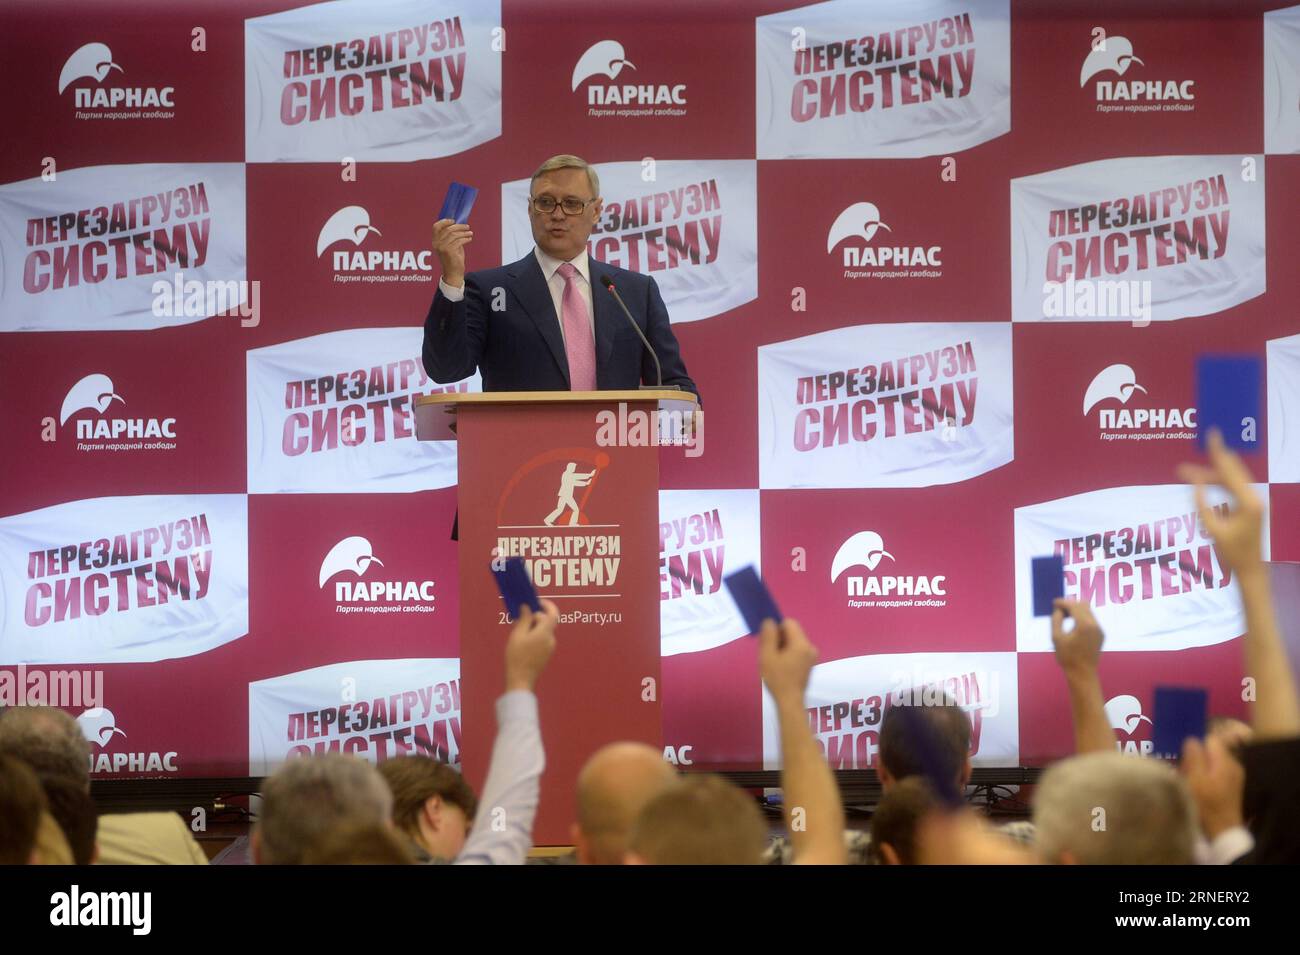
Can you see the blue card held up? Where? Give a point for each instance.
(460, 199)
(1228, 398)
(1179, 713)
(1049, 582)
(755, 603)
(516, 588)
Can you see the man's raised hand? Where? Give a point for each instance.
(449, 241)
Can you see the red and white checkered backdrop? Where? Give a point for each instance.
(860, 214)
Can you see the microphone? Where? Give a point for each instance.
(606, 281)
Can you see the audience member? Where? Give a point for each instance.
(432, 805)
(699, 820)
(51, 742)
(306, 799)
(614, 786)
(1105, 808)
(1272, 757)
(433, 811)
(814, 814)
(945, 728)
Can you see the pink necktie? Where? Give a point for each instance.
(579, 345)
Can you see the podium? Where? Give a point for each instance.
(569, 481)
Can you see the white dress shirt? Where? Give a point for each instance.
(554, 281)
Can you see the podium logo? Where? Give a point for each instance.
(566, 555)
(867, 549)
(1113, 55)
(99, 726)
(351, 225)
(570, 480)
(1118, 383)
(354, 556)
(857, 226)
(604, 61)
(94, 61)
(100, 432)
(1125, 716)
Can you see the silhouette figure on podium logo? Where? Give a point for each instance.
(564, 500)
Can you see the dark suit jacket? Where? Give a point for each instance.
(520, 348)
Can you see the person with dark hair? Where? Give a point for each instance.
(922, 739)
(432, 805)
(75, 812)
(21, 805)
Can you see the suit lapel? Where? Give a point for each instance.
(606, 314)
(535, 297)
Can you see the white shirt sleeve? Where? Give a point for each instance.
(503, 830)
(449, 293)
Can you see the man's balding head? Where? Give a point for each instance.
(613, 787)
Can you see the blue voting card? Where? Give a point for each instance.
(460, 199)
(1049, 582)
(516, 589)
(1179, 713)
(751, 596)
(1228, 398)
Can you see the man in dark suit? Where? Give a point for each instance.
(547, 322)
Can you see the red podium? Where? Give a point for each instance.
(560, 479)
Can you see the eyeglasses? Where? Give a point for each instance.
(571, 206)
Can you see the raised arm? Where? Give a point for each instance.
(1238, 539)
(1077, 653)
(455, 328)
(814, 815)
(503, 828)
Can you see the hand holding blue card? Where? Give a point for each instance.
(459, 201)
(755, 603)
(517, 589)
(1228, 398)
(1048, 582)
